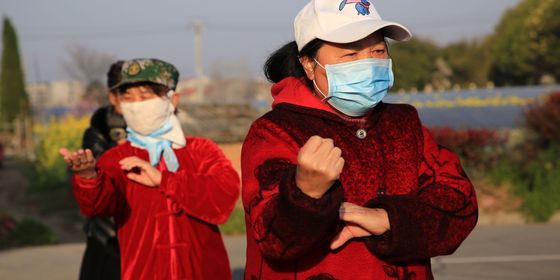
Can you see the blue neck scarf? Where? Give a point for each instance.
(156, 146)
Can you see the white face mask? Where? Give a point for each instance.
(145, 117)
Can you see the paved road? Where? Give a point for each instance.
(491, 252)
(505, 252)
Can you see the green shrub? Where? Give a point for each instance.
(535, 179)
(28, 232)
(503, 170)
(479, 149)
(7, 225)
(236, 222)
(543, 118)
(536, 168)
(50, 171)
(539, 185)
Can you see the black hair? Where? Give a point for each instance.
(158, 89)
(284, 62)
(114, 74)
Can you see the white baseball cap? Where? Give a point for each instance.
(343, 21)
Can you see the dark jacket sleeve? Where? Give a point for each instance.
(95, 137)
(437, 218)
(285, 222)
(95, 141)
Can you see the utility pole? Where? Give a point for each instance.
(197, 27)
(41, 99)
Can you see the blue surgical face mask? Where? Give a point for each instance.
(358, 86)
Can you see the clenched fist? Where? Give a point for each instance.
(319, 166)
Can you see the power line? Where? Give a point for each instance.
(100, 35)
(220, 27)
(238, 27)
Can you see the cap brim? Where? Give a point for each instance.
(133, 81)
(361, 29)
(126, 82)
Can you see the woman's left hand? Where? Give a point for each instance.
(360, 222)
(148, 176)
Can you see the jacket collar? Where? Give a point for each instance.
(294, 91)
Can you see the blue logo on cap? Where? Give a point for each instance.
(362, 6)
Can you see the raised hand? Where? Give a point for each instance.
(81, 162)
(148, 175)
(360, 222)
(319, 166)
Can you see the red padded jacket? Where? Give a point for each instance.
(397, 166)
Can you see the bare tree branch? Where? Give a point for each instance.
(86, 64)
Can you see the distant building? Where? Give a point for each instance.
(54, 98)
(223, 91)
(60, 97)
(192, 90)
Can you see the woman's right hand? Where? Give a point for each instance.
(81, 162)
(319, 166)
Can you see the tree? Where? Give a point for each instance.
(13, 98)
(469, 61)
(414, 63)
(87, 65)
(525, 43)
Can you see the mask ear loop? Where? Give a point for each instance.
(325, 97)
(170, 93)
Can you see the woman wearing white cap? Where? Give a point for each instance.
(336, 183)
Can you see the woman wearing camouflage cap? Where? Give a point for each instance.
(336, 183)
(166, 192)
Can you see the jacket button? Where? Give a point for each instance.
(361, 133)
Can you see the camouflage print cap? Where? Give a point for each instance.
(148, 70)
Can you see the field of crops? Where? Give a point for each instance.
(485, 108)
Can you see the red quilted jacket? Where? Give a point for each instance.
(397, 166)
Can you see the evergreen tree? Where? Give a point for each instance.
(525, 43)
(13, 98)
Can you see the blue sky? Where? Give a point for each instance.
(235, 31)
